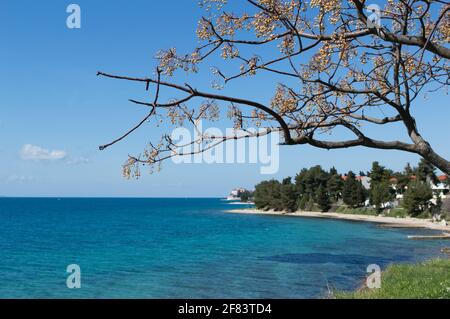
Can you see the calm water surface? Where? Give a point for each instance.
(186, 248)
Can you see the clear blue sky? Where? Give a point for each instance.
(51, 99)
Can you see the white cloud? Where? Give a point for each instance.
(37, 153)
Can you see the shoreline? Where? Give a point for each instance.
(391, 222)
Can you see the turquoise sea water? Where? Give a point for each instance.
(186, 248)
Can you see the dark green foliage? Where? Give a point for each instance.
(380, 189)
(310, 205)
(401, 180)
(381, 193)
(379, 173)
(246, 196)
(408, 171)
(323, 199)
(309, 180)
(275, 195)
(288, 195)
(417, 197)
(303, 201)
(268, 195)
(353, 193)
(426, 171)
(334, 186)
(333, 171)
(317, 189)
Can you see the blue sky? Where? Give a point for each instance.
(52, 101)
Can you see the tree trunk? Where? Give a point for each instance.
(438, 161)
(425, 150)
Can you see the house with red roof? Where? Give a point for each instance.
(442, 188)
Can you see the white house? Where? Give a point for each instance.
(441, 188)
(235, 194)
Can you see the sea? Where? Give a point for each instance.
(187, 248)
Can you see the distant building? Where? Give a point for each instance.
(365, 181)
(441, 189)
(236, 193)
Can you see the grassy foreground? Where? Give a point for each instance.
(430, 279)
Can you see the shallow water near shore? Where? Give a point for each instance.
(187, 248)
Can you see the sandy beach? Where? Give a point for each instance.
(393, 222)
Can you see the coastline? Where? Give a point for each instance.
(393, 222)
(240, 203)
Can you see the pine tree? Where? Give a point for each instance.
(417, 197)
(408, 171)
(323, 199)
(378, 173)
(425, 172)
(302, 202)
(288, 195)
(246, 196)
(381, 193)
(309, 180)
(334, 186)
(361, 194)
(353, 193)
(333, 171)
(268, 195)
(310, 205)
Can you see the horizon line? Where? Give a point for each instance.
(117, 197)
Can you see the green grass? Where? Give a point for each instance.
(428, 280)
(396, 212)
(426, 214)
(357, 211)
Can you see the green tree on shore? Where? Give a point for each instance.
(378, 173)
(309, 180)
(288, 195)
(425, 172)
(246, 196)
(268, 195)
(409, 171)
(381, 193)
(315, 189)
(303, 202)
(323, 199)
(334, 185)
(417, 197)
(380, 188)
(353, 193)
